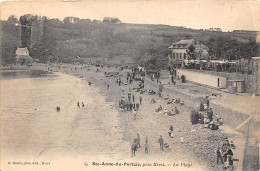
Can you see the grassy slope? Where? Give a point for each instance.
(120, 43)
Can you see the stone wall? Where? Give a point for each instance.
(256, 75)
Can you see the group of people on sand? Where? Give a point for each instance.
(205, 116)
(82, 104)
(130, 103)
(137, 144)
(225, 155)
(171, 112)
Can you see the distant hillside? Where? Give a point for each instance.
(117, 43)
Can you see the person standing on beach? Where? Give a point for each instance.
(129, 96)
(131, 106)
(210, 114)
(141, 99)
(146, 146)
(219, 155)
(138, 141)
(83, 104)
(133, 98)
(207, 101)
(78, 104)
(135, 113)
(107, 86)
(160, 141)
(137, 106)
(127, 106)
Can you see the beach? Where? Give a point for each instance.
(101, 132)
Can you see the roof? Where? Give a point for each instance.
(21, 50)
(235, 80)
(182, 44)
(256, 58)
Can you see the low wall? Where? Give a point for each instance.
(230, 76)
(202, 78)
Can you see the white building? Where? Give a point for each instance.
(23, 56)
(179, 52)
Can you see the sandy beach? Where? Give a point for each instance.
(101, 132)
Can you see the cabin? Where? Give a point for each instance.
(22, 56)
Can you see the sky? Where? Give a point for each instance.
(197, 14)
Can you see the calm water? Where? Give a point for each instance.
(31, 126)
(16, 74)
(28, 116)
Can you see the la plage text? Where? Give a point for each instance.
(140, 165)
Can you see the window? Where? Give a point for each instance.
(180, 55)
(184, 55)
(173, 55)
(177, 55)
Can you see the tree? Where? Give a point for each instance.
(106, 20)
(191, 51)
(111, 20)
(26, 23)
(115, 20)
(12, 19)
(10, 39)
(47, 46)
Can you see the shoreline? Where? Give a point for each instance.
(127, 124)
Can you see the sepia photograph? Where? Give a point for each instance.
(129, 85)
